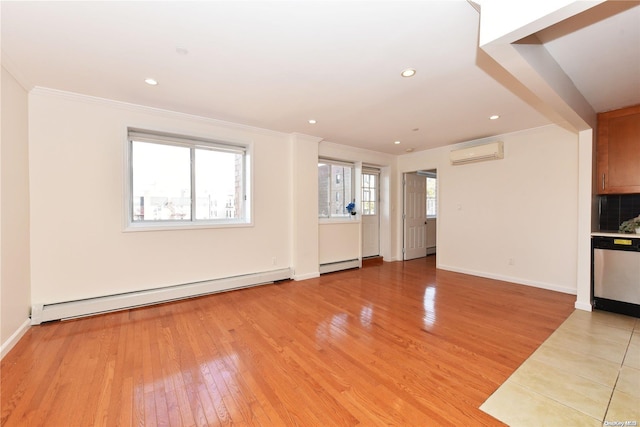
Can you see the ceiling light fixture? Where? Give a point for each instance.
(181, 50)
(151, 82)
(397, 142)
(494, 117)
(409, 72)
(312, 121)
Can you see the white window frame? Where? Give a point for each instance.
(346, 216)
(191, 142)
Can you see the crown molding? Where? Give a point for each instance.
(295, 136)
(77, 97)
(11, 68)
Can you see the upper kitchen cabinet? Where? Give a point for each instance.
(618, 151)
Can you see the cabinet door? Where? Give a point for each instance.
(618, 151)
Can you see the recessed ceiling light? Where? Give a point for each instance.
(181, 50)
(312, 121)
(409, 72)
(494, 117)
(409, 150)
(396, 142)
(151, 82)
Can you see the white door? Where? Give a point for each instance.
(415, 216)
(370, 213)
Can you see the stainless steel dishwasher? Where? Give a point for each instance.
(615, 274)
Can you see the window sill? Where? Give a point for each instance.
(165, 226)
(344, 220)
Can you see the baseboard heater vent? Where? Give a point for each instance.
(330, 267)
(86, 307)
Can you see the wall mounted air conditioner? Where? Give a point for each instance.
(477, 153)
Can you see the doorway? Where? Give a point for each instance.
(420, 214)
(370, 212)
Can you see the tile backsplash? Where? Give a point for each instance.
(616, 209)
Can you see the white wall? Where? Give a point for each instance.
(14, 213)
(77, 181)
(304, 194)
(523, 207)
(339, 241)
(588, 216)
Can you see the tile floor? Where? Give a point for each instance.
(587, 373)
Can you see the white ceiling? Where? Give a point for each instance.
(276, 64)
(600, 51)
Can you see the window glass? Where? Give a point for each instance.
(369, 194)
(161, 182)
(335, 189)
(218, 179)
(342, 190)
(324, 175)
(178, 180)
(432, 199)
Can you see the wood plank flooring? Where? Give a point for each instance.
(394, 344)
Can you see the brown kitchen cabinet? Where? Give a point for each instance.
(618, 151)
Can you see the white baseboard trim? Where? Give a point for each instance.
(583, 306)
(515, 280)
(71, 309)
(13, 339)
(300, 277)
(340, 265)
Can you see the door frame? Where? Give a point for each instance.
(423, 239)
(369, 170)
(427, 172)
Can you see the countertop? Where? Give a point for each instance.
(615, 234)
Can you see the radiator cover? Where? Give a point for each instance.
(87, 307)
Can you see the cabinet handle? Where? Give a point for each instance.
(603, 181)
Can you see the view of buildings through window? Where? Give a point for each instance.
(335, 189)
(185, 183)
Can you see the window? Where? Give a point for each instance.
(369, 193)
(181, 181)
(335, 188)
(432, 198)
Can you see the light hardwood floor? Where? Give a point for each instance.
(394, 344)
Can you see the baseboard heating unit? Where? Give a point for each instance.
(86, 307)
(340, 265)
